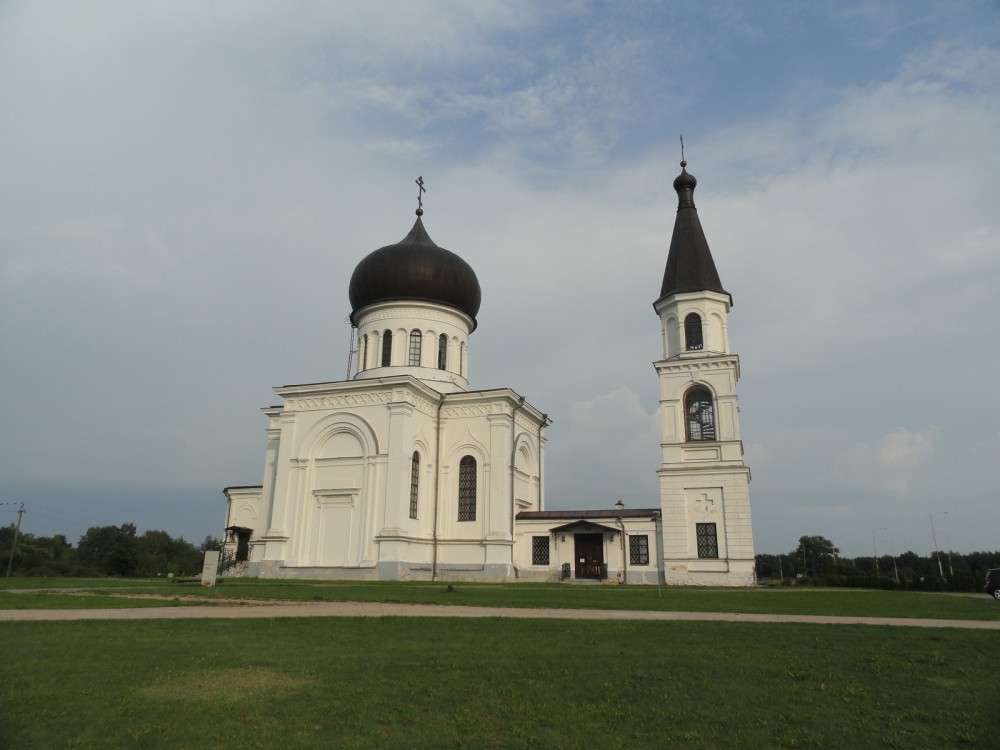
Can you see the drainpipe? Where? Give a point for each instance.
(660, 560)
(624, 551)
(541, 425)
(437, 486)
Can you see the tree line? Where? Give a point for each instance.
(817, 561)
(103, 551)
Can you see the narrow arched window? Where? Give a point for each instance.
(442, 352)
(363, 363)
(386, 348)
(461, 360)
(700, 414)
(414, 483)
(416, 339)
(693, 339)
(467, 489)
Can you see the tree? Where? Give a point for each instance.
(817, 554)
(112, 550)
(211, 543)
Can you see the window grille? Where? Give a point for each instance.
(700, 414)
(638, 549)
(386, 348)
(416, 339)
(442, 352)
(539, 550)
(692, 332)
(467, 489)
(708, 542)
(414, 483)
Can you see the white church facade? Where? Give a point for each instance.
(404, 473)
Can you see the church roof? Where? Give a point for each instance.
(415, 268)
(690, 267)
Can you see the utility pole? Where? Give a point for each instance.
(17, 530)
(875, 550)
(951, 568)
(934, 539)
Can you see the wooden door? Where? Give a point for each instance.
(589, 558)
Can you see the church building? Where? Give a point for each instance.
(404, 473)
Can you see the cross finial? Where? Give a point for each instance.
(420, 195)
(683, 161)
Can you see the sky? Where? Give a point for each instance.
(186, 188)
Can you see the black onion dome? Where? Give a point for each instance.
(415, 269)
(690, 267)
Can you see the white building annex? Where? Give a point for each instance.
(404, 473)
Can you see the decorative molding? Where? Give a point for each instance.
(420, 313)
(347, 400)
(524, 421)
(473, 410)
(343, 496)
(723, 362)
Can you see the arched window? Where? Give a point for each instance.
(363, 363)
(414, 481)
(416, 339)
(692, 332)
(386, 348)
(442, 352)
(461, 360)
(467, 489)
(700, 414)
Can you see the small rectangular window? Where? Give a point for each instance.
(708, 541)
(638, 549)
(539, 550)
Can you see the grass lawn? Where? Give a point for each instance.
(427, 683)
(806, 601)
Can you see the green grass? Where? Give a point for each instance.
(56, 600)
(804, 601)
(427, 683)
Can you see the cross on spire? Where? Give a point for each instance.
(420, 195)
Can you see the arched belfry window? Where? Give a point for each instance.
(442, 352)
(467, 489)
(414, 483)
(699, 411)
(363, 363)
(692, 332)
(416, 339)
(386, 348)
(461, 359)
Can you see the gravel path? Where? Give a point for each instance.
(366, 609)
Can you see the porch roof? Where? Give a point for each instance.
(583, 522)
(555, 515)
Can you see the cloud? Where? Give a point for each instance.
(890, 465)
(609, 447)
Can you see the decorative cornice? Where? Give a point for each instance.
(390, 310)
(348, 400)
(714, 362)
(470, 410)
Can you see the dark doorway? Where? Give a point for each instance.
(243, 545)
(590, 556)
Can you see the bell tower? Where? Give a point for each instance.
(704, 485)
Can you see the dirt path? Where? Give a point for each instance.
(364, 609)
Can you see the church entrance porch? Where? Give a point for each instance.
(589, 556)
